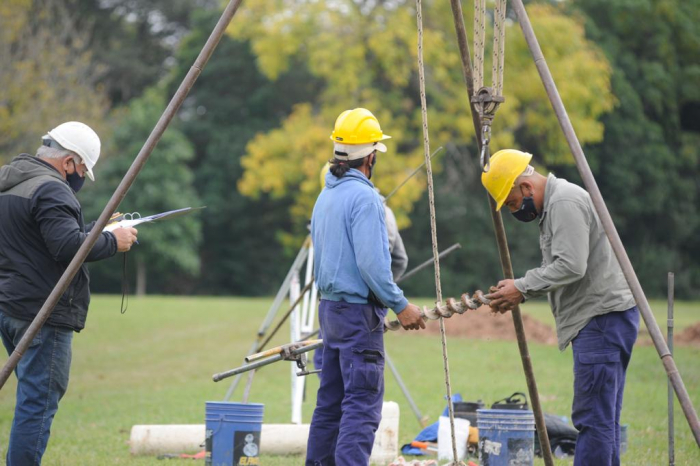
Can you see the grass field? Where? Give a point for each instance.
(153, 365)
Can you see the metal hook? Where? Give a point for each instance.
(485, 151)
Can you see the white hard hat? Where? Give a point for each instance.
(81, 139)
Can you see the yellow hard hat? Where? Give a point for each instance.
(324, 170)
(357, 126)
(505, 167)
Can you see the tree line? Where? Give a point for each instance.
(252, 136)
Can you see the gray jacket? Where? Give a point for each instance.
(399, 258)
(579, 271)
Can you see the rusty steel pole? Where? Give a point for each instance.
(669, 337)
(605, 218)
(502, 243)
(121, 190)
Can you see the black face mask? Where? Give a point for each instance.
(527, 211)
(75, 181)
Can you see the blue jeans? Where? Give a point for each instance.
(602, 351)
(42, 380)
(349, 399)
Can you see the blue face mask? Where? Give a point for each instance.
(75, 181)
(527, 211)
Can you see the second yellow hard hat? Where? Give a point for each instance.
(505, 167)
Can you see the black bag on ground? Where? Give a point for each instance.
(562, 436)
(517, 400)
(467, 410)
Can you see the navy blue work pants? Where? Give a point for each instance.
(318, 355)
(602, 351)
(349, 399)
(42, 380)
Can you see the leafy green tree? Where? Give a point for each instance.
(133, 41)
(364, 54)
(168, 251)
(47, 76)
(231, 102)
(647, 166)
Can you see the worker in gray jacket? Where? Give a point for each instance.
(593, 307)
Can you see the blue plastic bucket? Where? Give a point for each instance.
(506, 437)
(233, 433)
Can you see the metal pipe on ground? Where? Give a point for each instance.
(121, 190)
(502, 242)
(606, 220)
(669, 330)
(265, 362)
(276, 439)
(279, 349)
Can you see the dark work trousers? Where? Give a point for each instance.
(318, 355)
(349, 400)
(602, 351)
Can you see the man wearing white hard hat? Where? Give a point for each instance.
(42, 228)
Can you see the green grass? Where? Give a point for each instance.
(153, 365)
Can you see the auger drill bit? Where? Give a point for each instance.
(446, 310)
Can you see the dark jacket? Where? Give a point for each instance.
(41, 229)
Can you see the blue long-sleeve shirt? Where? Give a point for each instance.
(351, 247)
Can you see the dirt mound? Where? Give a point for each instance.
(483, 325)
(690, 336)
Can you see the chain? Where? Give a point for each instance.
(433, 229)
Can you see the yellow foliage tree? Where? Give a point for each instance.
(46, 77)
(365, 54)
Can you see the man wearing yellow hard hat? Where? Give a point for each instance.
(352, 268)
(593, 307)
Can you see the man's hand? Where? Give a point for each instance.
(126, 237)
(506, 298)
(410, 318)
